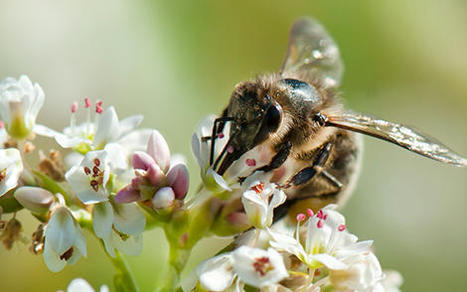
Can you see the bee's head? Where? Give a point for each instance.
(255, 115)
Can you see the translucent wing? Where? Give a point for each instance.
(398, 134)
(312, 49)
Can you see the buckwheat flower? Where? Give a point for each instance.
(120, 226)
(81, 285)
(20, 102)
(64, 241)
(256, 267)
(243, 167)
(324, 241)
(11, 168)
(89, 179)
(259, 199)
(92, 134)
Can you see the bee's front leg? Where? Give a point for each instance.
(306, 174)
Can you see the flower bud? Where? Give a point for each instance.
(141, 160)
(154, 174)
(178, 179)
(163, 198)
(35, 199)
(159, 150)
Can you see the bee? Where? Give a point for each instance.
(296, 113)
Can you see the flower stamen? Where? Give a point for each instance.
(263, 266)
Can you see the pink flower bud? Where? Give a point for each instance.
(37, 200)
(178, 178)
(163, 198)
(127, 195)
(159, 150)
(154, 175)
(141, 160)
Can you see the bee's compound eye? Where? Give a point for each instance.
(273, 117)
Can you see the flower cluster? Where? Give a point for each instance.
(117, 180)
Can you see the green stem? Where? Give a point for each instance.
(123, 280)
(177, 260)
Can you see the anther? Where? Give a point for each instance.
(310, 212)
(87, 102)
(301, 217)
(341, 227)
(97, 162)
(258, 188)
(95, 171)
(74, 107)
(230, 149)
(94, 185)
(319, 224)
(320, 214)
(87, 171)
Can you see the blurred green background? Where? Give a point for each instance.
(176, 61)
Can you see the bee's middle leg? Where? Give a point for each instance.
(306, 174)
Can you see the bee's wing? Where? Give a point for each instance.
(312, 49)
(398, 134)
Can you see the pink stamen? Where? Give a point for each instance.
(310, 212)
(319, 224)
(250, 162)
(341, 227)
(2, 125)
(99, 103)
(320, 214)
(74, 107)
(87, 102)
(220, 135)
(301, 217)
(325, 216)
(99, 109)
(230, 149)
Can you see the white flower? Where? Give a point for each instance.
(325, 241)
(11, 167)
(64, 240)
(256, 267)
(363, 274)
(259, 199)
(89, 179)
(20, 102)
(120, 226)
(94, 134)
(81, 285)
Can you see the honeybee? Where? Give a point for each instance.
(314, 140)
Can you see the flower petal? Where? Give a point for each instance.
(216, 274)
(107, 127)
(129, 219)
(102, 219)
(129, 124)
